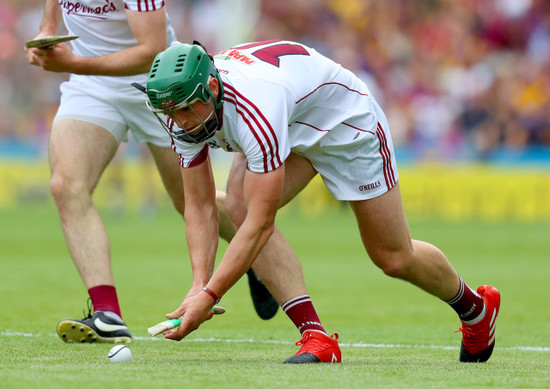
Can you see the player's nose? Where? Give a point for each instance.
(183, 120)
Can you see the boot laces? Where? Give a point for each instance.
(474, 338)
(310, 342)
(90, 308)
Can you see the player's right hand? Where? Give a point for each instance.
(194, 311)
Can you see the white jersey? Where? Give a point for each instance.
(103, 29)
(282, 96)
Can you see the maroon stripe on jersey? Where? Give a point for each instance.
(331, 83)
(172, 143)
(173, 146)
(257, 117)
(255, 44)
(170, 123)
(147, 5)
(229, 99)
(275, 152)
(357, 128)
(345, 124)
(200, 157)
(391, 168)
(384, 152)
(386, 157)
(311, 125)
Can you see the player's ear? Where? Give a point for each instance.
(214, 86)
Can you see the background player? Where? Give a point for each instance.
(291, 113)
(118, 41)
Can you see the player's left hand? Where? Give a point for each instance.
(194, 311)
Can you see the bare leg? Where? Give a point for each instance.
(79, 152)
(386, 237)
(227, 228)
(287, 281)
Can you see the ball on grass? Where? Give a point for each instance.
(120, 353)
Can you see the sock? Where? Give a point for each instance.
(104, 298)
(468, 304)
(302, 313)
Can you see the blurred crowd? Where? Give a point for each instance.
(457, 79)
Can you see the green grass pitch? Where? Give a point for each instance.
(392, 334)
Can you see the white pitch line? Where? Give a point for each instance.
(268, 341)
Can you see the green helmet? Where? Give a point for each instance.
(180, 74)
(178, 77)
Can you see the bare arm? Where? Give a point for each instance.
(201, 227)
(201, 221)
(48, 27)
(262, 196)
(149, 28)
(51, 19)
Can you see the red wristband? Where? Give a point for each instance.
(212, 294)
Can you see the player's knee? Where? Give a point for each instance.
(64, 189)
(226, 226)
(220, 203)
(220, 200)
(70, 196)
(393, 265)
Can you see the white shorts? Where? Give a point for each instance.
(116, 110)
(360, 169)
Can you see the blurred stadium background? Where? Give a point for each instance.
(465, 85)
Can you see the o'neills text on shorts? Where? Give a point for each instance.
(371, 186)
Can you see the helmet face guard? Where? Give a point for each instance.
(169, 120)
(179, 77)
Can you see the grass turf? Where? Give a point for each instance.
(392, 334)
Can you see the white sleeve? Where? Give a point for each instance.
(190, 154)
